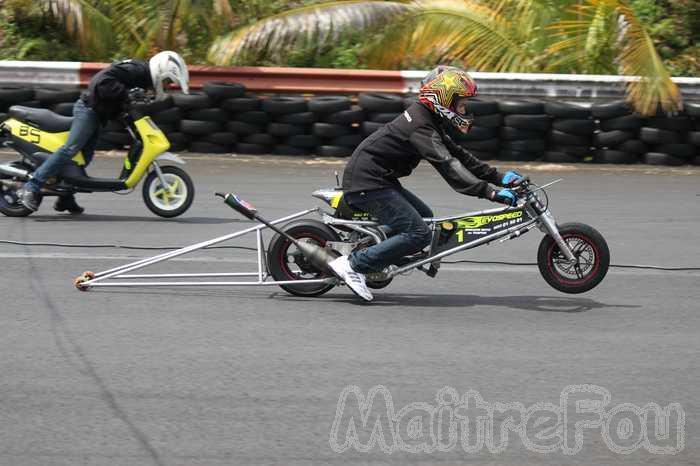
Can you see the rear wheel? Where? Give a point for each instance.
(589, 268)
(10, 204)
(287, 263)
(171, 200)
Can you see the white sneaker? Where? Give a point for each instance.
(354, 280)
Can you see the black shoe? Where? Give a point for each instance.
(29, 199)
(68, 203)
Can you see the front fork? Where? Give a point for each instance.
(159, 172)
(549, 225)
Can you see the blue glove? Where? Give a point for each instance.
(512, 178)
(505, 196)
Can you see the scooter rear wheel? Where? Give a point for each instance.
(592, 259)
(10, 204)
(286, 263)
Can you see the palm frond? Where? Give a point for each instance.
(321, 23)
(84, 23)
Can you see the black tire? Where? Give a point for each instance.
(624, 123)
(242, 128)
(282, 149)
(614, 156)
(659, 136)
(574, 126)
(369, 127)
(494, 120)
(560, 157)
(692, 109)
(612, 138)
(223, 138)
(329, 104)
(65, 109)
(204, 147)
(303, 141)
(329, 130)
(521, 107)
(3, 116)
(609, 110)
(200, 128)
(280, 250)
(10, 206)
(167, 127)
(633, 146)
(253, 149)
(588, 245)
(254, 117)
(514, 134)
(487, 145)
(262, 139)
(13, 95)
(525, 145)
(684, 151)
(479, 107)
(209, 114)
(577, 151)
(478, 133)
(285, 129)
(382, 117)
(527, 122)
(693, 137)
(659, 158)
(56, 96)
(178, 141)
(153, 182)
(280, 105)
(518, 156)
(299, 119)
(155, 106)
(679, 123)
(560, 137)
(376, 102)
(349, 140)
(192, 101)
(242, 104)
(695, 161)
(334, 151)
(220, 90)
(171, 115)
(565, 110)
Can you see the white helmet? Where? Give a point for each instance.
(168, 65)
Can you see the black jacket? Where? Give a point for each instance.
(394, 150)
(108, 89)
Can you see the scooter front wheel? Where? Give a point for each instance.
(170, 200)
(592, 259)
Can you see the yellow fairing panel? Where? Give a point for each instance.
(154, 144)
(49, 142)
(335, 202)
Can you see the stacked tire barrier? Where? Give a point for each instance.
(225, 118)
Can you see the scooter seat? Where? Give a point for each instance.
(41, 118)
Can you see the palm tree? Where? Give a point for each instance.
(85, 22)
(585, 36)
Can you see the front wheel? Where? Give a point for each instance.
(592, 259)
(286, 263)
(170, 200)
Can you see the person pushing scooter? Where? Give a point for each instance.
(370, 179)
(104, 100)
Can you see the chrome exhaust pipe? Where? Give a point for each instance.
(7, 169)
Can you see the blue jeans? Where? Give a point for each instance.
(83, 135)
(400, 210)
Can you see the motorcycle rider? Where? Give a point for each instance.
(104, 100)
(370, 179)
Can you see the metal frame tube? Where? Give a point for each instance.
(258, 283)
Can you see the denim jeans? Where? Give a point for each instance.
(83, 135)
(400, 210)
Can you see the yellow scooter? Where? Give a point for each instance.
(34, 133)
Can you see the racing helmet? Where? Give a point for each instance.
(168, 65)
(442, 89)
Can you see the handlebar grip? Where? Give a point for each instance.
(239, 205)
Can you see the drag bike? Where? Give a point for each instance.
(34, 133)
(572, 257)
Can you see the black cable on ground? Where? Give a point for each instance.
(465, 261)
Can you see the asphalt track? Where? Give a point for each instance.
(252, 376)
